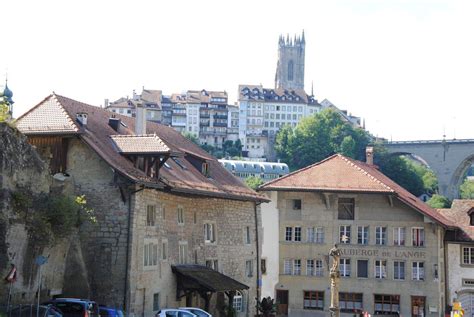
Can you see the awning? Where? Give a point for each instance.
(203, 279)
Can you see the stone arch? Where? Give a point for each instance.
(458, 176)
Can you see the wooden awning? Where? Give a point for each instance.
(203, 279)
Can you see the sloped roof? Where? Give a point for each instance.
(204, 278)
(151, 95)
(176, 178)
(459, 214)
(338, 173)
(133, 144)
(51, 117)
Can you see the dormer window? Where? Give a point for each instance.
(471, 216)
(205, 169)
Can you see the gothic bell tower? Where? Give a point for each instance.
(290, 66)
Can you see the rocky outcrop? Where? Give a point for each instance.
(22, 171)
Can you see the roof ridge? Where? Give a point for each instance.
(64, 111)
(365, 172)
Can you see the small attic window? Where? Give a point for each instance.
(205, 169)
(177, 161)
(167, 166)
(471, 216)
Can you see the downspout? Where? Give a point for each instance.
(126, 299)
(258, 255)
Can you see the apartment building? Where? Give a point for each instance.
(392, 243)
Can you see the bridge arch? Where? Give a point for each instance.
(458, 176)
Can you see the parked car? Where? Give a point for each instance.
(197, 311)
(30, 310)
(110, 312)
(174, 312)
(75, 307)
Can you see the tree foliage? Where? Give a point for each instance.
(467, 189)
(439, 201)
(4, 115)
(319, 136)
(253, 182)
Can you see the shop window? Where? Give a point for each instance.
(313, 300)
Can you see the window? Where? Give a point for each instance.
(205, 169)
(350, 302)
(150, 254)
(213, 264)
(156, 301)
(180, 215)
(418, 237)
(248, 268)
(345, 208)
(386, 304)
(315, 235)
(363, 268)
(209, 232)
(288, 267)
(298, 234)
(164, 250)
(290, 71)
(296, 204)
(345, 234)
(399, 236)
(150, 215)
(263, 266)
(398, 270)
(183, 253)
(319, 268)
(468, 255)
(363, 235)
(297, 267)
(418, 271)
(289, 234)
(471, 216)
(238, 302)
(309, 267)
(380, 269)
(345, 267)
(247, 235)
(381, 235)
(313, 300)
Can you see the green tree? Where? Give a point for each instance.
(3, 111)
(467, 189)
(319, 136)
(439, 201)
(253, 182)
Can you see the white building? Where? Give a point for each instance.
(264, 170)
(460, 255)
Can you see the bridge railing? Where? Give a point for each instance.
(430, 141)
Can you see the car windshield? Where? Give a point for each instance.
(199, 313)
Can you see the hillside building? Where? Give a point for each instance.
(266, 171)
(168, 214)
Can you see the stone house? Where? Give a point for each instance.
(392, 243)
(167, 211)
(459, 249)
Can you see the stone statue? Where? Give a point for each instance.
(335, 276)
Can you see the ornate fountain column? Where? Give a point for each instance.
(335, 277)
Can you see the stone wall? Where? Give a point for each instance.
(230, 248)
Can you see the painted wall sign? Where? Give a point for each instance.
(402, 254)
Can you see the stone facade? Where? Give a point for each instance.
(290, 67)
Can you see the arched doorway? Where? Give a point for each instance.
(467, 302)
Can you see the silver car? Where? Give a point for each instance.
(174, 312)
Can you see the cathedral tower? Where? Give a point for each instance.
(290, 66)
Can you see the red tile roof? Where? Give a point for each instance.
(176, 178)
(459, 215)
(341, 174)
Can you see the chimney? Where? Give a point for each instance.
(140, 119)
(81, 117)
(106, 103)
(369, 155)
(114, 123)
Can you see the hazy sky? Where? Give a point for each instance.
(407, 67)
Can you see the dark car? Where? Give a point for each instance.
(75, 307)
(110, 312)
(30, 310)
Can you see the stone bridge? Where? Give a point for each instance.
(449, 160)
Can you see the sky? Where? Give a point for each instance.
(406, 67)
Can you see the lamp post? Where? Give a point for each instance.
(335, 276)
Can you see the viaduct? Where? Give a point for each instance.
(449, 160)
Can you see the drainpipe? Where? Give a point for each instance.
(258, 255)
(127, 295)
